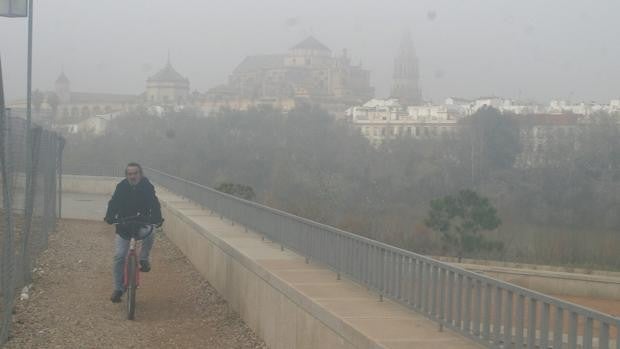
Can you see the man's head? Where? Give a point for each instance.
(133, 172)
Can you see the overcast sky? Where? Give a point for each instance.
(533, 49)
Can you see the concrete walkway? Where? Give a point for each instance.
(84, 206)
(386, 323)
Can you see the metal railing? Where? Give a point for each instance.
(494, 313)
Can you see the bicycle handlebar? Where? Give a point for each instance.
(139, 232)
(130, 219)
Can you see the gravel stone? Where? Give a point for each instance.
(69, 305)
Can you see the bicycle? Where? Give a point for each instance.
(131, 278)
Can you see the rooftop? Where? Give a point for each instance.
(62, 78)
(310, 43)
(259, 62)
(168, 73)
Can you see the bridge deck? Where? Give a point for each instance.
(386, 323)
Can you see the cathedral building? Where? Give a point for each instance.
(308, 73)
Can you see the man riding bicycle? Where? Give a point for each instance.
(133, 197)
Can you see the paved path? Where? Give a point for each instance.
(84, 206)
(69, 306)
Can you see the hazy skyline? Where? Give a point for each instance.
(528, 49)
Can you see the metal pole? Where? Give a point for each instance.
(29, 87)
(59, 174)
(29, 193)
(28, 166)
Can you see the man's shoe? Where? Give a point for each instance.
(145, 266)
(116, 296)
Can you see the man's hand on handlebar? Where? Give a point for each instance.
(116, 220)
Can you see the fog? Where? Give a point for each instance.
(528, 49)
(548, 170)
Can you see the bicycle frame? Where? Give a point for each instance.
(134, 250)
(132, 265)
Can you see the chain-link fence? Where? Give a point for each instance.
(29, 177)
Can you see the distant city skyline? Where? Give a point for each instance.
(557, 50)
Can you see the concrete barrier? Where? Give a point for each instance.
(89, 184)
(526, 266)
(249, 290)
(548, 279)
(555, 283)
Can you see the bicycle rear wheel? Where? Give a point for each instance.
(132, 266)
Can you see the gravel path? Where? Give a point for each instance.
(69, 304)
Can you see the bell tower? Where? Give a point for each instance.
(406, 76)
(63, 88)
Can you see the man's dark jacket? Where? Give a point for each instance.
(132, 200)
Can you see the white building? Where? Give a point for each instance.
(382, 119)
(582, 108)
(95, 126)
(482, 102)
(466, 107)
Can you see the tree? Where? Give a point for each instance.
(37, 100)
(243, 191)
(53, 101)
(461, 218)
(491, 142)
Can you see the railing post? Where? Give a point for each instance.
(544, 325)
(459, 301)
(420, 285)
(486, 318)
(603, 337)
(341, 257)
(519, 323)
(508, 324)
(450, 285)
(442, 294)
(467, 319)
(382, 274)
(531, 326)
(425, 287)
(434, 286)
(399, 277)
(497, 321)
(477, 306)
(558, 331)
(572, 330)
(587, 333)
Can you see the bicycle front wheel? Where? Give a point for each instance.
(132, 267)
